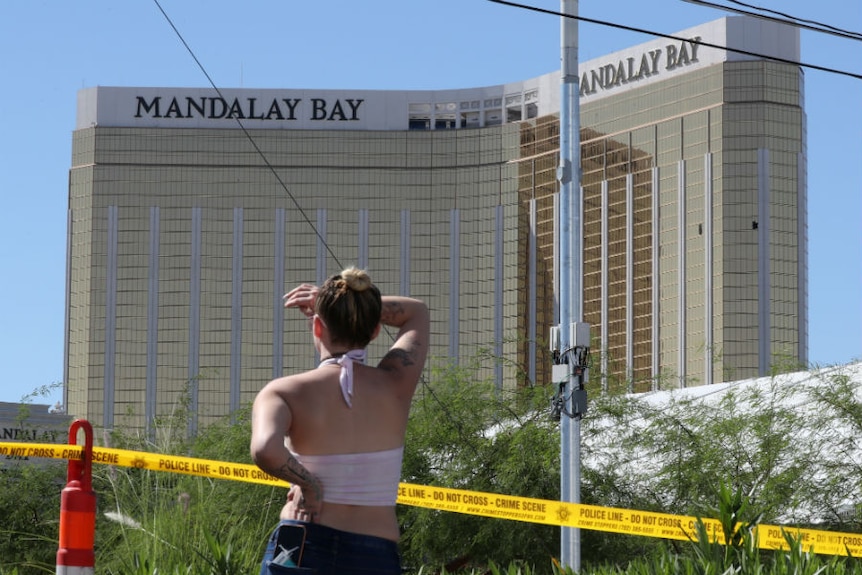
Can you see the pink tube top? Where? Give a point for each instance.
(369, 478)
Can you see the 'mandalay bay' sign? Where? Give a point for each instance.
(662, 58)
(255, 108)
(315, 109)
(628, 69)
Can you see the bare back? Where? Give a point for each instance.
(307, 414)
(323, 424)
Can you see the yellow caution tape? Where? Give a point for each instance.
(580, 516)
(615, 520)
(143, 460)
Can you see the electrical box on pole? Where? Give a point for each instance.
(569, 372)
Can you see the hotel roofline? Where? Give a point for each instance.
(393, 110)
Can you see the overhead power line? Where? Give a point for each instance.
(787, 19)
(679, 39)
(823, 27)
(456, 422)
(248, 136)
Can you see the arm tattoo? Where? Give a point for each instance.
(391, 312)
(294, 472)
(398, 355)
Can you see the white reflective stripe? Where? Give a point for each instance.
(70, 570)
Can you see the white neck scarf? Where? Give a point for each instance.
(345, 379)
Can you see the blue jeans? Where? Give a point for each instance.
(323, 550)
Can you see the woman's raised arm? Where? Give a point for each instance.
(407, 355)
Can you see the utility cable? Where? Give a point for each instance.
(790, 20)
(284, 187)
(823, 26)
(250, 139)
(678, 39)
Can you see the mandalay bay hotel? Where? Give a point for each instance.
(192, 211)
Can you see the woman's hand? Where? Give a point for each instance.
(302, 298)
(303, 504)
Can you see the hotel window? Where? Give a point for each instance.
(444, 123)
(493, 117)
(470, 120)
(420, 117)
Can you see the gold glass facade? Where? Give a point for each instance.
(183, 242)
(693, 226)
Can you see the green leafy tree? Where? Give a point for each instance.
(29, 508)
(30, 503)
(668, 457)
(836, 420)
(464, 433)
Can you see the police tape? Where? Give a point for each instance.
(617, 520)
(144, 460)
(493, 505)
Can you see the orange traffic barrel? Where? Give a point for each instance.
(76, 555)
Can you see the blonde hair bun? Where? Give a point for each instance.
(356, 279)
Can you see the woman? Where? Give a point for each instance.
(336, 433)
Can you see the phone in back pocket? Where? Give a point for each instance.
(289, 546)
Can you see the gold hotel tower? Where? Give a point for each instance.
(186, 229)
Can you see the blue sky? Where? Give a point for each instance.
(52, 48)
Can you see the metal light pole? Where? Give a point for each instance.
(573, 335)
